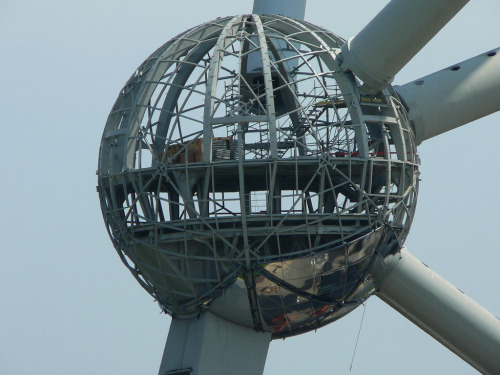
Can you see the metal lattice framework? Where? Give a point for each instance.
(239, 160)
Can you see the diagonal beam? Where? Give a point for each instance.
(440, 309)
(393, 37)
(454, 96)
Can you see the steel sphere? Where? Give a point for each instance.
(242, 171)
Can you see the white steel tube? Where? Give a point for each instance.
(440, 309)
(454, 96)
(289, 8)
(393, 37)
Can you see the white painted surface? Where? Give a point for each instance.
(393, 37)
(454, 96)
(440, 309)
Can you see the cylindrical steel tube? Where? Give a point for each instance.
(454, 96)
(288, 8)
(440, 309)
(393, 37)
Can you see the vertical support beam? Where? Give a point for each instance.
(268, 82)
(440, 309)
(243, 196)
(173, 204)
(210, 345)
(213, 76)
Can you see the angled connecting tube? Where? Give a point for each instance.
(440, 309)
(393, 37)
(454, 96)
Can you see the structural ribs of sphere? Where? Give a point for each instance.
(241, 171)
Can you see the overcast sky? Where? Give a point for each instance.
(69, 306)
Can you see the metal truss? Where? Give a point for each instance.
(241, 145)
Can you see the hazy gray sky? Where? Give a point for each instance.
(68, 305)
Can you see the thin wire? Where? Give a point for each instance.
(359, 332)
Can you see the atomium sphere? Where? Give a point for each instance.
(241, 171)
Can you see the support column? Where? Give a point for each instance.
(210, 345)
(288, 8)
